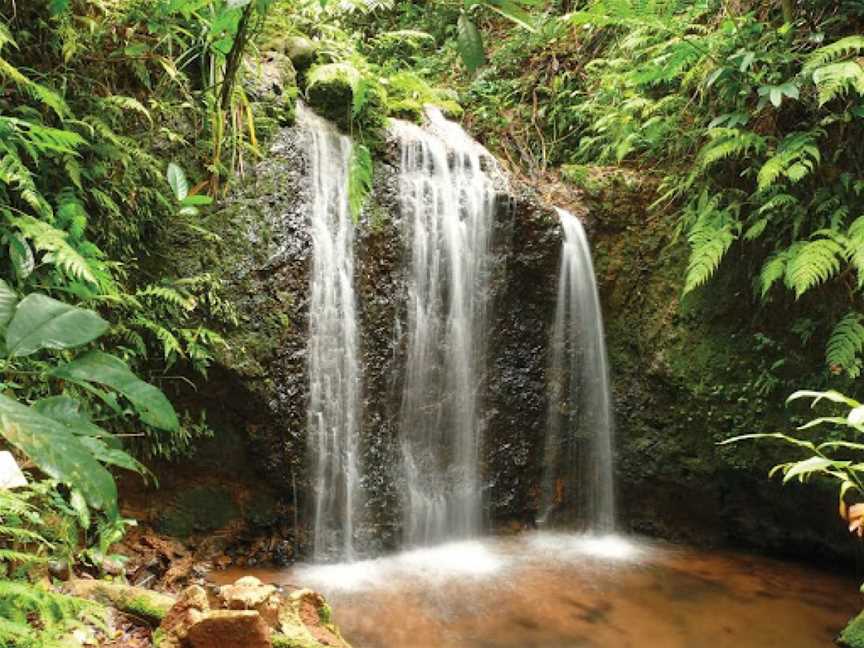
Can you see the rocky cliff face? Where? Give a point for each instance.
(681, 379)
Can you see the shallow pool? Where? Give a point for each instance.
(545, 590)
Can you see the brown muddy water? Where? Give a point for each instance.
(545, 590)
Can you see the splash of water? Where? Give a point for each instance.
(333, 347)
(448, 202)
(578, 476)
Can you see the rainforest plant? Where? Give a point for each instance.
(838, 457)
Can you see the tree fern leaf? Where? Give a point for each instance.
(812, 264)
(846, 345)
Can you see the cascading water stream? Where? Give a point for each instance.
(578, 476)
(333, 348)
(448, 202)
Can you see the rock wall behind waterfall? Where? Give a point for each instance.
(679, 371)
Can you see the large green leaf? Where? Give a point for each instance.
(150, 403)
(8, 300)
(67, 411)
(469, 43)
(103, 445)
(57, 453)
(177, 180)
(44, 323)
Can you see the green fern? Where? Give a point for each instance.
(813, 263)
(52, 241)
(359, 179)
(855, 248)
(710, 238)
(842, 48)
(35, 617)
(846, 344)
(838, 80)
(726, 143)
(773, 270)
(796, 157)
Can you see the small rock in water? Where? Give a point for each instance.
(230, 629)
(10, 474)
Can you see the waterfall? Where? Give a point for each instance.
(578, 478)
(333, 348)
(448, 203)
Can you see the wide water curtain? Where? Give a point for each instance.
(578, 475)
(448, 203)
(334, 368)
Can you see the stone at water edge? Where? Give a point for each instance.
(246, 593)
(10, 474)
(230, 629)
(305, 619)
(190, 608)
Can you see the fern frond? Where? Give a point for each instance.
(845, 346)
(797, 156)
(855, 248)
(842, 48)
(710, 237)
(813, 263)
(49, 239)
(838, 79)
(169, 296)
(170, 346)
(729, 142)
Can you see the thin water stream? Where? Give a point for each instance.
(544, 590)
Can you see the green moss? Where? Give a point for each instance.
(853, 634)
(200, 509)
(401, 47)
(407, 94)
(325, 613)
(345, 96)
(144, 607)
(331, 88)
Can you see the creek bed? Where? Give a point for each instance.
(549, 590)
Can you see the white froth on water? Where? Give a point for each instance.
(568, 546)
(453, 560)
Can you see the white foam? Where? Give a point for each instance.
(453, 560)
(606, 547)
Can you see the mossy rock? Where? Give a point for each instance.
(301, 51)
(200, 509)
(853, 634)
(271, 81)
(142, 603)
(330, 90)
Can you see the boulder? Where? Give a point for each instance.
(330, 90)
(301, 51)
(249, 593)
(190, 608)
(271, 81)
(230, 629)
(305, 619)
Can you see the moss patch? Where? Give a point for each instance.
(853, 634)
